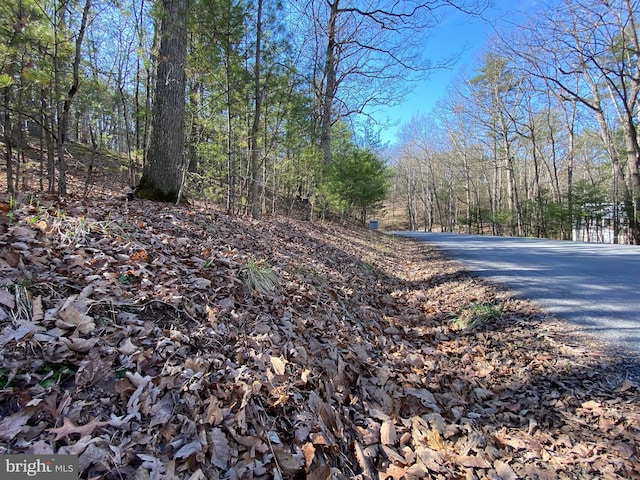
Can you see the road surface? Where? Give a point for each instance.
(594, 286)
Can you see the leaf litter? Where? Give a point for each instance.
(161, 342)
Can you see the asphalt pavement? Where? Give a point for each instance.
(594, 286)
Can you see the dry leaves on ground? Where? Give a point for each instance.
(131, 335)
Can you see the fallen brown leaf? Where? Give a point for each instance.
(68, 428)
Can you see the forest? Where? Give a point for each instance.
(265, 107)
(540, 138)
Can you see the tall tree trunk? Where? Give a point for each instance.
(570, 117)
(496, 202)
(42, 120)
(231, 159)
(138, 82)
(467, 181)
(631, 132)
(411, 197)
(163, 173)
(616, 167)
(541, 224)
(6, 97)
(65, 111)
(51, 141)
(253, 137)
(515, 224)
(330, 85)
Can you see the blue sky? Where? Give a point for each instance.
(457, 33)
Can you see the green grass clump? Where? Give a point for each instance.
(476, 315)
(259, 277)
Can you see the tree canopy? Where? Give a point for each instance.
(259, 90)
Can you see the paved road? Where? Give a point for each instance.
(594, 286)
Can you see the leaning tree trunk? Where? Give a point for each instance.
(163, 173)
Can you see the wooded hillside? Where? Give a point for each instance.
(247, 104)
(170, 342)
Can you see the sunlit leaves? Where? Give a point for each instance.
(5, 80)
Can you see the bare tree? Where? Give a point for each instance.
(361, 51)
(465, 152)
(496, 91)
(425, 174)
(64, 107)
(587, 51)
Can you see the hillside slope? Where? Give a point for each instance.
(171, 343)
